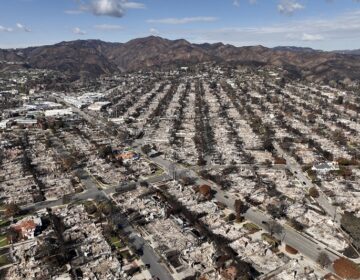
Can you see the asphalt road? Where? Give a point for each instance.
(91, 192)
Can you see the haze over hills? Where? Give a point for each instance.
(92, 58)
(295, 49)
(353, 52)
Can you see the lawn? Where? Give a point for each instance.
(126, 255)
(4, 223)
(4, 260)
(158, 172)
(252, 228)
(270, 239)
(116, 242)
(3, 241)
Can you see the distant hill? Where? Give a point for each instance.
(353, 52)
(92, 58)
(295, 49)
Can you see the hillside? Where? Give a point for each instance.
(92, 58)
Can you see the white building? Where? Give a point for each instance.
(323, 168)
(75, 102)
(98, 106)
(58, 112)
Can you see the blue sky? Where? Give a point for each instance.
(321, 24)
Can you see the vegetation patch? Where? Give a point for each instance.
(3, 240)
(4, 260)
(313, 192)
(291, 250)
(116, 242)
(270, 239)
(250, 227)
(346, 269)
(90, 207)
(4, 223)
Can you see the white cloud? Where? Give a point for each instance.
(5, 29)
(311, 37)
(288, 7)
(78, 31)
(236, 3)
(109, 27)
(112, 8)
(340, 32)
(18, 27)
(133, 5)
(73, 12)
(154, 31)
(184, 20)
(23, 27)
(108, 8)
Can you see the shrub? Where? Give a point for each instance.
(291, 250)
(231, 217)
(313, 192)
(346, 269)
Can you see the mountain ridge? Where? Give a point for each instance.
(92, 58)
